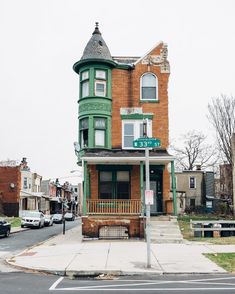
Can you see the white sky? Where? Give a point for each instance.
(42, 39)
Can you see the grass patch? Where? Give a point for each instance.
(14, 221)
(184, 224)
(224, 260)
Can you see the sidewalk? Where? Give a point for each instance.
(69, 255)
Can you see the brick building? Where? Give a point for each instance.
(10, 184)
(117, 94)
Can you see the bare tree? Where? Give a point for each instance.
(222, 117)
(194, 151)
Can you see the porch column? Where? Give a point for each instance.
(142, 187)
(84, 187)
(173, 187)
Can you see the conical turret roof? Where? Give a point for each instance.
(96, 48)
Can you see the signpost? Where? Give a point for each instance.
(147, 143)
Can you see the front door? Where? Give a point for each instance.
(156, 186)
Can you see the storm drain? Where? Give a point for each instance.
(113, 232)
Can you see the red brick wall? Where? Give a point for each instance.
(126, 93)
(92, 224)
(10, 196)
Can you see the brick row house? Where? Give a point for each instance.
(117, 96)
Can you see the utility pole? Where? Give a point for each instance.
(147, 188)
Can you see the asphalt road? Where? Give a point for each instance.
(18, 242)
(26, 283)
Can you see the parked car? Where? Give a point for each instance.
(5, 228)
(57, 218)
(33, 219)
(69, 216)
(48, 220)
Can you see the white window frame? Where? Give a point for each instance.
(100, 82)
(194, 182)
(85, 75)
(137, 124)
(100, 74)
(156, 85)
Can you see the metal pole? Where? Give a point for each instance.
(148, 225)
(173, 188)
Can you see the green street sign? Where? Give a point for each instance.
(146, 143)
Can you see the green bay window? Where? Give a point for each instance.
(114, 184)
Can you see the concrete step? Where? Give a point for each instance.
(165, 229)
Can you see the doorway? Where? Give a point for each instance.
(156, 181)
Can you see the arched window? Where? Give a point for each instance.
(149, 87)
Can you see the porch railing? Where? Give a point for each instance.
(112, 206)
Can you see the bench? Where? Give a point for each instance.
(212, 228)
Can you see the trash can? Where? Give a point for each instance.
(208, 234)
(197, 234)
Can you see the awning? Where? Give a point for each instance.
(134, 157)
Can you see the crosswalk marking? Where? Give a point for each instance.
(137, 285)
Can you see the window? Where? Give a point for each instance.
(85, 83)
(25, 184)
(123, 184)
(83, 128)
(114, 185)
(100, 74)
(192, 203)
(106, 185)
(132, 130)
(100, 130)
(100, 88)
(100, 83)
(192, 183)
(149, 88)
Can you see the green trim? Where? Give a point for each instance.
(84, 188)
(149, 101)
(125, 66)
(93, 97)
(103, 167)
(77, 67)
(91, 131)
(137, 116)
(173, 183)
(108, 135)
(142, 187)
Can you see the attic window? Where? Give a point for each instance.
(149, 87)
(100, 43)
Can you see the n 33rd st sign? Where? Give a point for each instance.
(146, 143)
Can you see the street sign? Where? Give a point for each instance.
(146, 143)
(148, 197)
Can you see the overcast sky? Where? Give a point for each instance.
(42, 39)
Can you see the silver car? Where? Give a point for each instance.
(33, 219)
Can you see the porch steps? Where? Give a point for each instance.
(165, 229)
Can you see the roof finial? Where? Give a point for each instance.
(96, 31)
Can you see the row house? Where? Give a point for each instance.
(31, 196)
(195, 190)
(60, 196)
(10, 185)
(118, 96)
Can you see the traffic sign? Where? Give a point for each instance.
(149, 197)
(146, 143)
